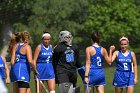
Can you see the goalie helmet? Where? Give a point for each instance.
(66, 37)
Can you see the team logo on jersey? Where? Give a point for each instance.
(115, 84)
(46, 53)
(22, 78)
(69, 55)
(1, 65)
(125, 60)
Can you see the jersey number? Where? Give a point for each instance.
(99, 61)
(17, 57)
(70, 57)
(125, 66)
(48, 59)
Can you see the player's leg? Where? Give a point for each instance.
(73, 79)
(37, 86)
(22, 90)
(13, 79)
(118, 90)
(100, 89)
(64, 84)
(130, 89)
(23, 86)
(28, 90)
(89, 89)
(51, 85)
(66, 87)
(15, 87)
(41, 87)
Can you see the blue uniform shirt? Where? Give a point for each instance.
(124, 63)
(97, 59)
(124, 75)
(44, 63)
(2, 68)
(96, 73)
(21, 69)
(45, 55)
(20, 57)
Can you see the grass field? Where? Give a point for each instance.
(109, 71)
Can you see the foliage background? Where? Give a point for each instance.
(113, 18)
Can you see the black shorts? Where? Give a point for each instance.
(22, 84)
(67, 76)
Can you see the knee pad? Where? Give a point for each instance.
(66, 88)
(52, 91)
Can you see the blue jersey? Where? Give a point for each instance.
(2, 68)
(97, 59)
(20, 57)
(21, 68)
(45, 55)
(124, 63)
(96, 79)
(44, 63)
(124, 75)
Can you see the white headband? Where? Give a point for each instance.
(124, 38)
(46, 34)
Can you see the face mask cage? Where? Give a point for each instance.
(65, 36)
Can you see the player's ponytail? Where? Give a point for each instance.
(95, 36)
(12, 42)
(19, 37)
(27, 37)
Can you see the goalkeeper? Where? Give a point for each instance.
(66, 61)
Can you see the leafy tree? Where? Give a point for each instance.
(14, 11)
(114, 19)
(57, 15)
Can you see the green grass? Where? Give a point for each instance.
(109, 71)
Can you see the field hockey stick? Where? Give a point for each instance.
(37, 81)
(47, 91)
(87, 91)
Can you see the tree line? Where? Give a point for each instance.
(113, 18)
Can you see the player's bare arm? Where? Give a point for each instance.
(37, 50)
(135, 68)
(87, 63)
